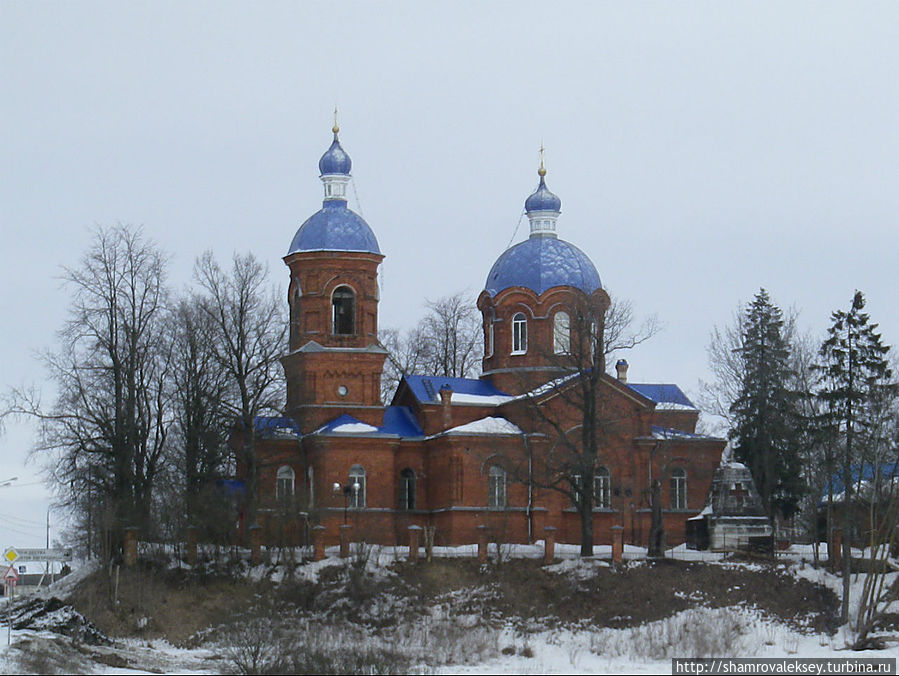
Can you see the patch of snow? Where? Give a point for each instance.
(479, 399)
(488, 425)
(354, 428)
(672, 406)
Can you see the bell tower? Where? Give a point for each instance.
(334, 362)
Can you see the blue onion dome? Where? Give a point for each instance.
(334, 228)
(335, 160)
(542, 199)
(541, 263)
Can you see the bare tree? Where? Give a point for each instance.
(105, 434)
(406, 354)
(446, 342)
(200, 386)
(577, 415)
(249, 332)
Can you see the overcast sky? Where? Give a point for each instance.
(701, 150)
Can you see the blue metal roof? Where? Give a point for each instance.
(662, 393)
(543, 200)
(426, 388)
(335, 160)
(888, 474)
(334, 228)
(272, 426)
(540, 263)
(398, 421)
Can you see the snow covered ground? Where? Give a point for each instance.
(720, 632)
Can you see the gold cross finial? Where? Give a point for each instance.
(542, 170)
(335, 129)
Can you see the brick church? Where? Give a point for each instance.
(458, 453)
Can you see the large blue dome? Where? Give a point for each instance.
(540, 263)
(335, 160)
(334, 228)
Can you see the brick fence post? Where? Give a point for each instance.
(192, 545)
(549, 548)
(414, 536)
(318, 542)
(255, 545)
(617, 543)
(482, 543)
(346, 530)
(131, 546)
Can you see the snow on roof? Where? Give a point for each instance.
(480, 399)
(672, 406)
(488, 425)
(354, 428)
(666, 395)
(465, 390)
(398, 422)
(670, 433)
(277, 427)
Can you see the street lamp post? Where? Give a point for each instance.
(347, 489)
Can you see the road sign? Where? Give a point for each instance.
(10, 555)
(38, 554)
(11, 577)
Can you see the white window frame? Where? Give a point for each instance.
(496, 488)
(678, 488)
(519, 333)
(357, 498)
(408, 489)
(602, 488)
(285, 480)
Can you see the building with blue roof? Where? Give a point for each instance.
(456, 453)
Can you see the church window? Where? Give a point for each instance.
(678, 488)
(343, 311)
(519, 333)
(488, 351)
(496, 485)
(284, 483)
(602, 488)
(407, 489)
(357, 487)
(561, 333)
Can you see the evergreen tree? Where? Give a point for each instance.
(856, 384)
(765, 411)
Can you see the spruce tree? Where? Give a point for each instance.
(765, 416)
(856, 381)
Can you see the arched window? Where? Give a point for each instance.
(343, 311)
(496, 486)
(488, 348)
(284, 483)
(357, 487)
(678, 488)
(407, 489)
(519, 333)
(602, 488)
(561, 333)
